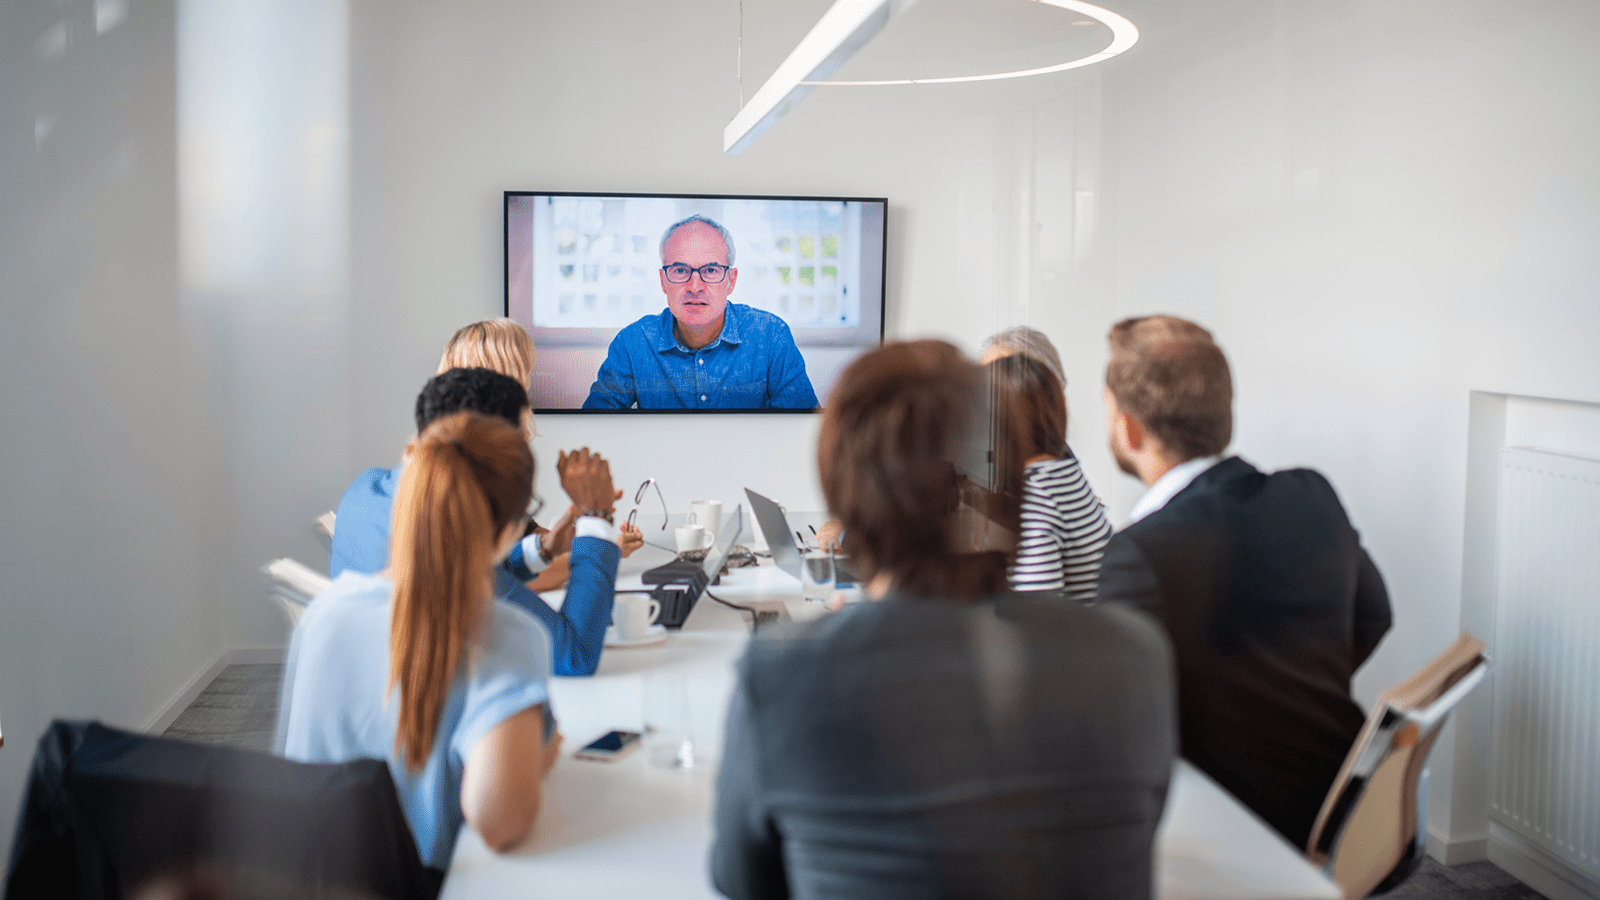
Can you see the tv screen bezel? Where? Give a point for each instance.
(505, 300)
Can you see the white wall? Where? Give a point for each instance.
(264, 194)
(174, 264)
(109, 588)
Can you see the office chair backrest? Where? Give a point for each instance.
(106, 812)
(1369, 834)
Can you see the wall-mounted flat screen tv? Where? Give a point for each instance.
(693, 302)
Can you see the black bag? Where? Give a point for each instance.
(678, 585)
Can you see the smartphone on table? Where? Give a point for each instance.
(609, 746)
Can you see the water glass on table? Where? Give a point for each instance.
(667, 742)
(817, 575)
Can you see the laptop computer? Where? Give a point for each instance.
(679, 584)
(780, 540)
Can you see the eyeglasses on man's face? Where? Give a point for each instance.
(710, 273)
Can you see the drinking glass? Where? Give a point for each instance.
(816, 575)
(666, 721)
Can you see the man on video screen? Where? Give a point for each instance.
(702, 352)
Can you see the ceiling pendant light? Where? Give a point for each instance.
(850, 24)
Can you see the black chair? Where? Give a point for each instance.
(107, 812)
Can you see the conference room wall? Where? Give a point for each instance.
(109, 581)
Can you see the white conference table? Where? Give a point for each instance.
(625, 828)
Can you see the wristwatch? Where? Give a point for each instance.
(607, 514)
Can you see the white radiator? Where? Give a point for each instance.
(1544, 781)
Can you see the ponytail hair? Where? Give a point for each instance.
(469, 477)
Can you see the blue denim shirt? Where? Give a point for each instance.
(753, 364)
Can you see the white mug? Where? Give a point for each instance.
(689, 537)
(633, 614)
(707, 513)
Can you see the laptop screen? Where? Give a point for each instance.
(775, 527)
(725, 541)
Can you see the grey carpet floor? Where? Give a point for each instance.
(1474, 881)
(240, 708)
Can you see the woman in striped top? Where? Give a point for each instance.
(1064, 525)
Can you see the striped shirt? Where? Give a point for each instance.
(1064, 531)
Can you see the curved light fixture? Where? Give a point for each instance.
(850, 24)
(1124, 34)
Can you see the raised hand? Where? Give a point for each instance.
(586, 477)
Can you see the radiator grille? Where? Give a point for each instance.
(1545, 769)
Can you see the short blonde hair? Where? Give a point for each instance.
(501, 345)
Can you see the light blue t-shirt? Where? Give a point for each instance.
(335, 706)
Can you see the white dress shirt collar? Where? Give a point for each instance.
(1167, 486)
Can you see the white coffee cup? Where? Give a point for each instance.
(707, 513)
(633, 614)
(690, 537)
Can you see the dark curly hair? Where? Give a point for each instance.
(481, 391)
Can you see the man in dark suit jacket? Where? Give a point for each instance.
(1260, 580)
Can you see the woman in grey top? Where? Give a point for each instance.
(951, 739)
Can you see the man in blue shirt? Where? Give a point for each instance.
(577, 630)
(702, 352)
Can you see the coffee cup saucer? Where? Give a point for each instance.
(655, 634)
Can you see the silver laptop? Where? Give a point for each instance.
(781, 540)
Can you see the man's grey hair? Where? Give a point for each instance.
(727, 239)
(1030, 342)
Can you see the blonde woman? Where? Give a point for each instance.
(498, 344)
(419, 665)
